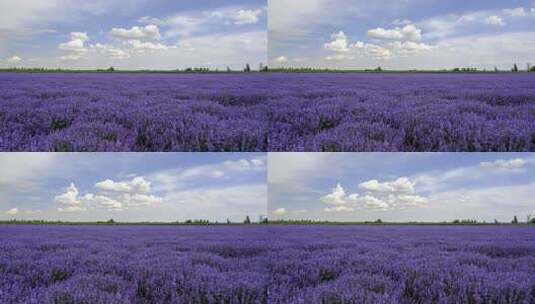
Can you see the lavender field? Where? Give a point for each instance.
(267, 264)
(402, 112)
(142, 264)
(267, 112)
(132, 112)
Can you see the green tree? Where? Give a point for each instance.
(515, 220)
(515, 68)
(247, 220)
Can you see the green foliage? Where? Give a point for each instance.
(247, 220)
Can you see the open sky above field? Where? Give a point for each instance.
(401, 186)
(132, 187)
(136, 34)
(423, 34)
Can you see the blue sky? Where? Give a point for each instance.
(132, 187)
(158, 34)
(401, 34)
(401, 186)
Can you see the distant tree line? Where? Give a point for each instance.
(264, 220)
(246, 69)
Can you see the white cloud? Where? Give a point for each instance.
(372, 50)
(409, 32)
(143, 47)
(515, 12)
(104, 202)
(12, 211)
(176, 179)
(136, 185)
(339, 43)
(246, 16)
(148, 32)
(76, 44)
(402, 184)
(279, 211)
(396, 194)
(372, 202)
(410, 200)
(186, 25)
(140, 200)
(69, 201)
(111, 196)
(512, 164)
(495, 20)
(14, 59)
(281, 60)
(405, 43)
(409, 47)
(338, 197)
(111, 51)
(76, 47)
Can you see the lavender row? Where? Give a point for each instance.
(267, 112)
(269, 264)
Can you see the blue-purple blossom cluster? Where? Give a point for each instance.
(402, 112)
(132, 112)
(267, 264)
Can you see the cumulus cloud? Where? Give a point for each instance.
(402, 184)
(136, 185)
(372, 50)
(338, 44)
(512, 164)
(403, 41)
(111, 51)
(338, 196)
(75, 47)
(409, 32)
(372, 202)
(12, 211)
(495, 20)
(110, 195)
(148, 32)
(14, 59)
(69, 200)
(378, 196)
(143, 47)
